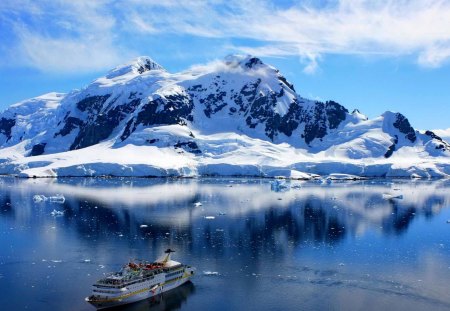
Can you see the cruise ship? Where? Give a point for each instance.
(139, 280)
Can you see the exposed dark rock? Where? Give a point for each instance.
(189, 146)
(70, 123)
(152, 141)
(392, 148)
(290, 120)
(102, 125)
(442, 145)
(92, 104)
(433, 135)
(38, 149)
(335, 114)
(213, 103)
(317, 126)
(172, 109)
(252, 62)
(402, 124)
(147, 66)
(289, 85)
(6, 126)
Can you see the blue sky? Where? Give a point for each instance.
(370, 55)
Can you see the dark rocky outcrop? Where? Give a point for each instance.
(402, 124)
(5, 127)
(92, 104)
(392, 148)
(101, 126)
(70, 123)
(38, 149)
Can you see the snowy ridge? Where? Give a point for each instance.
(238, 116)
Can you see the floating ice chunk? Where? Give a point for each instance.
(57, 213)
(210, 273)
(279, 185)
(388, 196)
(38, 198)
(59, 198)
(87, 260)
(222, 213)
(210, 217)
(197, 204)
(56, 260)
(143, 226)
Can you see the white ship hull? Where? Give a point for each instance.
(130, 297)
(138, 282)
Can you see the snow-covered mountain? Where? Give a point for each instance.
(237, 116)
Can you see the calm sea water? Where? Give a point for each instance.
(342, 246)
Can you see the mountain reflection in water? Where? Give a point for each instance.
(316, 245)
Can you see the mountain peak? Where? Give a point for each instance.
(244, 61)
(139, 65)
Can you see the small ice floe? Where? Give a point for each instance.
(56, 213)
(279, 185)
(222, 214)
(327, 181)
(388, 196)
(86, 260)
(59, 198)
(341, 264)
(210, 217)
(197, 204)
(56, 260)
(211, 273)
(101, 266)
(219, 230)
(143, 226)
(38, 198)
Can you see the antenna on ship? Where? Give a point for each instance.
(166, 258)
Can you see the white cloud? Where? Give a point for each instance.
(66, 54)
(91, 30)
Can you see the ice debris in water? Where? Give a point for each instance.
(143, 226)
(210, 217)
(38, 198)
(388, 196)
(57, 213)
(210, 273)
(197, 204)
(59, 198)
(278, 185)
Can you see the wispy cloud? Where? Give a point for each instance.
(97, 33)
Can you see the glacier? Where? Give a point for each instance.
(233, 117)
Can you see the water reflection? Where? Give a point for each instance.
(333, 236)
(168, 301)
